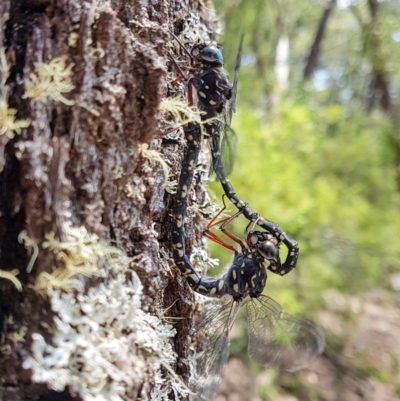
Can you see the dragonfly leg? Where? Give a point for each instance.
(255, 218)
(222, 224)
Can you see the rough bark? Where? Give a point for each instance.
(76, 185)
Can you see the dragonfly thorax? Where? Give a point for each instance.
(246, 276)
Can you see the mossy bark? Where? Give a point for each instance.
(79, 162)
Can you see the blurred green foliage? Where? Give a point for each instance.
(319, 157)
(330, 181)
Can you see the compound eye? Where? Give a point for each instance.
(252, 239)
(212, 54)
(269, 251)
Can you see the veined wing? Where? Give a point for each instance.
(279, 339)
(224, 141)
(229, 140)
(212, 330)
(229, 145)
(232, 106)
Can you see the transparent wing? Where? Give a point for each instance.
(229, 140)
(212, 332)
(229, 144)
(232, 106)
(279, 339)
(224, 139)
(224, 142)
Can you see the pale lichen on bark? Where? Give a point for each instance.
(83, 210)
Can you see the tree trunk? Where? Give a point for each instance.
(86, 289)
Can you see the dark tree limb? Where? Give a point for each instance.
(312, 60)
(379, 82)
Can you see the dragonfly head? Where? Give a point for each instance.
(265, 245)
(268, 250)
(210, 54)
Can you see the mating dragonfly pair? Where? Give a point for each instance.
(276, 338)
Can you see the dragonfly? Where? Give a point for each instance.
(276, 338)
(260, 243)
(216, 97)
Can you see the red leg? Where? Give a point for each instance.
(225, 221)
(179, 69)
(179, 78)
(211, 236)
(222, 223)
(212, 222)
(184, 48)
(232, 237)
(182, 77)
(190, 95)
